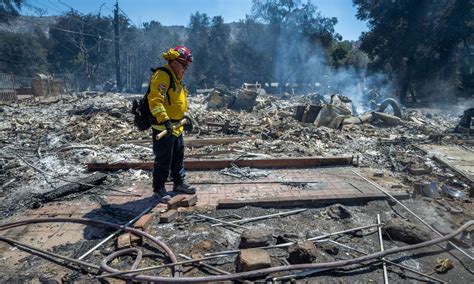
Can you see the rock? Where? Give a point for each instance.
(286, 238)
(328, 248)
(253, 259)
(302, 252)
(405, 231)
(253, 238)
(338, 211)
(378, 174)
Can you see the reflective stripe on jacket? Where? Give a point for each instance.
(171, 105)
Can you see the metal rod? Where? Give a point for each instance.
(115, 233)
(159, 266)
(412, 213)
(206, 265)
(298, 275)
(263, 217)
(255, 182)
(291, 243)
(220, 221)
(384, 265)
(50, 254)
(389, 262)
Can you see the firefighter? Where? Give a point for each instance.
(168, 104)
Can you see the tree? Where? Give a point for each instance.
(297, 38)
(219, 67)
(10, 9)
(21, 54)
(198, 42)
(144, 47)
(417, 41)
(82, 43)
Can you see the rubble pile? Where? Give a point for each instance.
(45, 146)
(61, 136)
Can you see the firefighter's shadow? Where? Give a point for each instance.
(116, 213)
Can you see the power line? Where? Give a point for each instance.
(82, 14)
(60, 11)
(64, 30)
(125, 14)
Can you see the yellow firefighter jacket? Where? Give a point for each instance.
(170, 105)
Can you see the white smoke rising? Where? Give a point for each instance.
(303, 62)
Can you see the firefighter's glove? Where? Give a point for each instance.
(188, 126)
(169, 127)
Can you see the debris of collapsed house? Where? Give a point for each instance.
(255, 158)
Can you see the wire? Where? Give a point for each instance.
(60, 11)
(65, 30)
(125, 14)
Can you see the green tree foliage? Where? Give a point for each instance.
(198, 42)
(9, 9)
(82, 44)
(345, 55)
(417, 41)
(21, 54)
(219, 67)
(144, 47)
(297, 37)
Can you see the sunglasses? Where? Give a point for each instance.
(185, 66)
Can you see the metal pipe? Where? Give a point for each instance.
(134, 271)
(384, 266)
(115, 233)
(220, 221)
(389, 262)
(412, 213)
(206, 265)
(291, 243)
(50, 254)
(329, 265)
(263, 217)
(235, 276)
(85, 221)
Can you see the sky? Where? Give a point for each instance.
(177, 12)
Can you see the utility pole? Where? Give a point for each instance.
(117, 47)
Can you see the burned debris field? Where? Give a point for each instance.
(319, 160)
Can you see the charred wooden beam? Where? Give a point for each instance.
(305, 201)
(198, 165)
(71, 188)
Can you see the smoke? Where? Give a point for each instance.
(304, 61)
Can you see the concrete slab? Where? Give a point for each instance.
(458, 158)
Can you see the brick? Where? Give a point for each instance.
(144, 222)
(123, 241)
(253, 259)
(174, 202)
(135, 240)
(189, 201)
(168, 216)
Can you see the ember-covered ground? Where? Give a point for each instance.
(57, 138)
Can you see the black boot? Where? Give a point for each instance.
(160, 192)
(184, 187)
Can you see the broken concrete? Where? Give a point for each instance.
(253, 238)
(253, 259)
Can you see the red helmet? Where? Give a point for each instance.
(184, 54)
